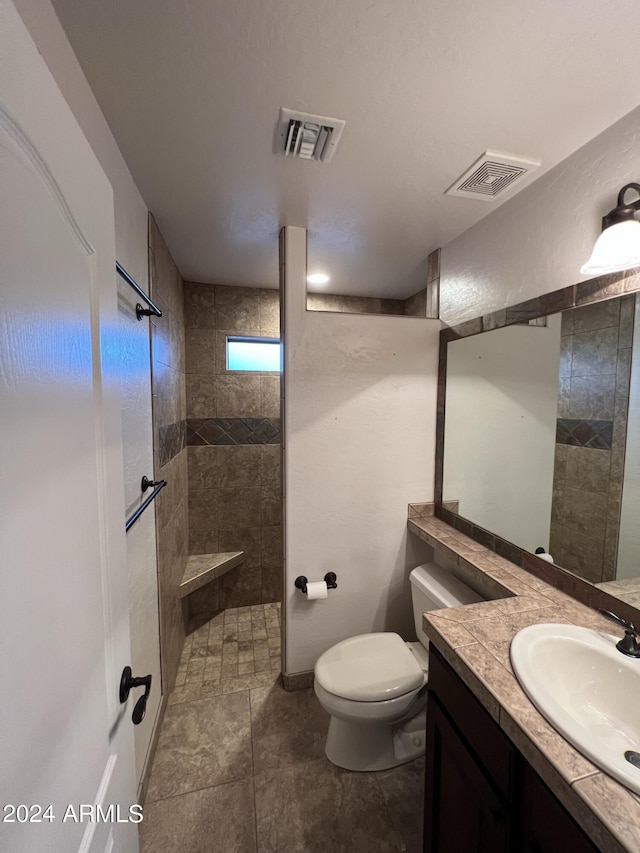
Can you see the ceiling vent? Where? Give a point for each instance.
(492, 175)
(308, 137)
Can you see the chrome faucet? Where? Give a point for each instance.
(629, 644)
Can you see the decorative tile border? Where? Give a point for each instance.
(213, 431)
(576, 295)
(172, 438)
(581, 433)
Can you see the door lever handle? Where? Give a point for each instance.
(127, 683)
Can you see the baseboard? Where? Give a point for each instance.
(153, 745)
(297, 681)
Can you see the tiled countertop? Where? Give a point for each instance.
(475, 640)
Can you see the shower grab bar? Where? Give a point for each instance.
(140, 311)
(160, 484)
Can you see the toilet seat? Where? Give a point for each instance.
(369, 668)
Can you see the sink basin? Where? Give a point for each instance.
(587, 690)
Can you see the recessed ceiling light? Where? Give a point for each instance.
(317, 278)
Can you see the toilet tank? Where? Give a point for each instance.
(433, 588)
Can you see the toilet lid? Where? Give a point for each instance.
(369, 668)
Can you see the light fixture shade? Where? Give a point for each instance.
(318, 278)
(617, 248)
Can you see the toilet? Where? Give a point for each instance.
(374, 686)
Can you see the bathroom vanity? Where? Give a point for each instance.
(481, 794)
(499, 776)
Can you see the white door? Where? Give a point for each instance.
(66, 743)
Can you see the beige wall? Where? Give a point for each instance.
(170, 456)
(537, 241)
(359, 408)
(234, 452)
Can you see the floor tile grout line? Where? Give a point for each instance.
(202, 788)
(253, 772)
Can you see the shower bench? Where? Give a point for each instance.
(203, 568)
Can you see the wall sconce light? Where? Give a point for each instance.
(618, 247)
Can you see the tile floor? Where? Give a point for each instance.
(240, 764)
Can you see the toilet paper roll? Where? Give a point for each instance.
(317, 590)
(547, 557)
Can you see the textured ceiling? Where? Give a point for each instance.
(192, 89)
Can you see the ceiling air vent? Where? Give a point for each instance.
(308, 137)
(491, 175)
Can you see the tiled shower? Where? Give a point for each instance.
(217, 444)
(234, 445)
(595, 359)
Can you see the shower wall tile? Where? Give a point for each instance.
(201, 351)
(627, 312)
(271, 466)
(206, 542)
(203, 467)
(591, 436)
(168, 382)
(270, 396)
(582, 433)
(271, 506)
(223, 431)
(416, 305)
(239, 466)
(353, 304)
(586, 512)
(201, 395)
(167, 393)
(601, 315)
(592, 397)
(595, 353)
(433, 266)
(238, 308)
(270, 313)
(560, 463)
(237, 396)
(199, 306)
(566, 354)
(623, 373)
(576, 552)
(241, 585)
(271, 546)
(247, 539)
(233, 438)
(271, 583)
(238, 507)
(167, 285)
(171, 440)
(588, 469)
(203, 506)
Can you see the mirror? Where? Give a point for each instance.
(542, 438)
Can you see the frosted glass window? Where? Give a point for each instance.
(254, 354)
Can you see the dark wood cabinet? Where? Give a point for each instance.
(546, 826)
(464, 812)
(481, 796)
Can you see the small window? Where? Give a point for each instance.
(254, 354)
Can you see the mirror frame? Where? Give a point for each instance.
(574, 296)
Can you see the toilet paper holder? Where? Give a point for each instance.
(330, 579)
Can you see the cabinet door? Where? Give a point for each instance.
(462, 812)
(546, 825)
